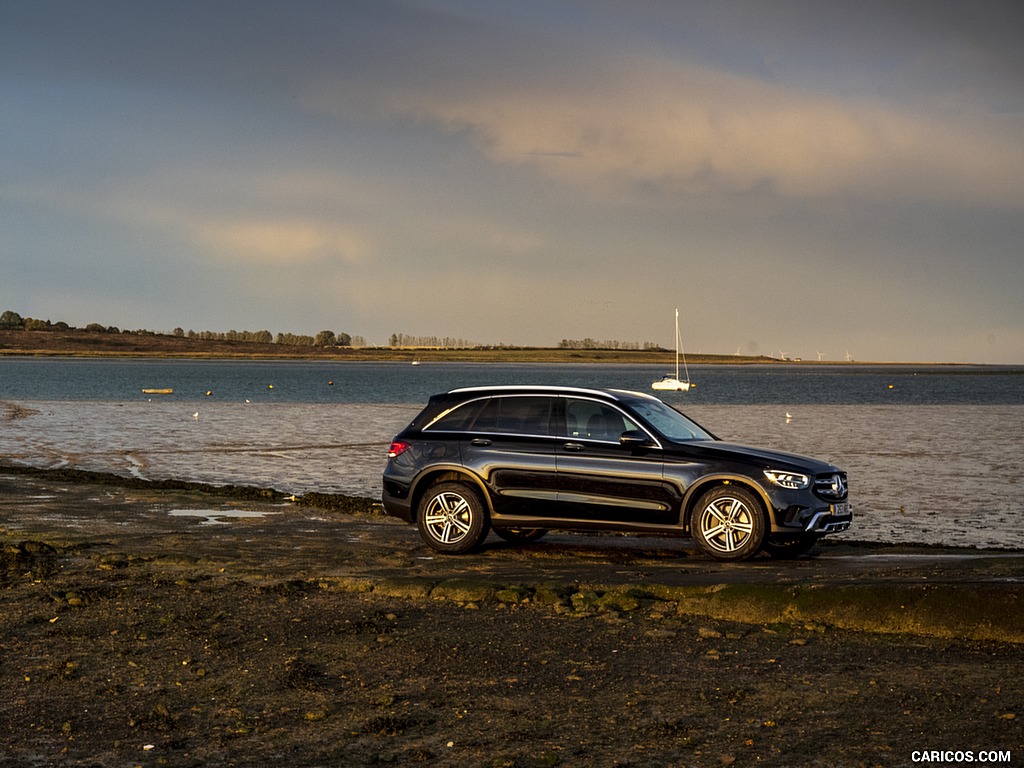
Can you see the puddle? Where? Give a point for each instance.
(218, 516)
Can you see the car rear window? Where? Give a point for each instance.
(518, 415)
(456, 419)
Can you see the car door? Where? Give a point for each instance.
(511, 447)
(601, 479)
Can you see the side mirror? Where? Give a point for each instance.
(635, 438)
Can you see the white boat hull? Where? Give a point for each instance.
(671, 385)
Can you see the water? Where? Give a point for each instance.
(326, 382)
(934, 453)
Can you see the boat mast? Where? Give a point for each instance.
(677, 343)
(679, 348)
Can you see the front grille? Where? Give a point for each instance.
(831, 487)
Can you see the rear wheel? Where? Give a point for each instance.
(520, 535)
(451, 518)
(728, 524)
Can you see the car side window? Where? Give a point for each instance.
(516, 416)
(595, 421)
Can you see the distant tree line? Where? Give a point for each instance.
(10, 320)
(13, 321)
(441, 342)
(607, 344)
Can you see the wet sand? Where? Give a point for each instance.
(148, 625)
(898, 459)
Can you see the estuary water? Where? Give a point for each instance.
(934, 453)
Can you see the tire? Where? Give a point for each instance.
(520, 535)
(788, 548)
(452, 519)
(728, 524)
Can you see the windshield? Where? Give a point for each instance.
(668, 421)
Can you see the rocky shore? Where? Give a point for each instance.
(163, 625)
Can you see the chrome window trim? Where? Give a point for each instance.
(565, 393)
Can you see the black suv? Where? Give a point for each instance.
(522, 460)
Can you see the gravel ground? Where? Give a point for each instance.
(158, 627)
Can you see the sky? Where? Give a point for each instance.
(818, 178)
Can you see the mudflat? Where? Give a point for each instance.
(147, 624)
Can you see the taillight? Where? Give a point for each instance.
(397, 449)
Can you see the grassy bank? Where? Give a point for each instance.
(78, 343)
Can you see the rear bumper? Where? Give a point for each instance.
(396, 500)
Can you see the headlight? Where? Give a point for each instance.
(794, 481)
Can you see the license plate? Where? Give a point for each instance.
(841, 509)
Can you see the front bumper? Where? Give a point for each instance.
(821, 520)
(826, 522)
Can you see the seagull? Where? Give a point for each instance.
(196, 415)
(789, 417)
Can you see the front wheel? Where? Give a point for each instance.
(451, 518)
(728, 524)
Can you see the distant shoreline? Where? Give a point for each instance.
(87, 344)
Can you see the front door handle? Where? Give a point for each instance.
(480, 441)
(573, 446)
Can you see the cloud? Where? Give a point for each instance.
(242, 215)
(685, 129)
(268, 241)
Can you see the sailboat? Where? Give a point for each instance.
(671, 383)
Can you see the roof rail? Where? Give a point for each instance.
(537, 388)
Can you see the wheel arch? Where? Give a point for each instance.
(705, 484)
(445, 475)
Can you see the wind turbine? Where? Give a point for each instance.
(819, 356)
(849, 357)
(782, 355)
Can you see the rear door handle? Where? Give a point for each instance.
(573, 446)
(480, 442)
